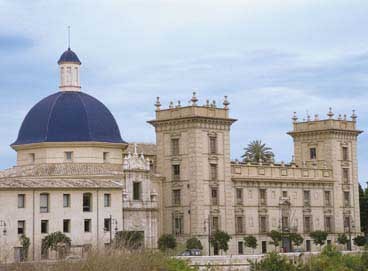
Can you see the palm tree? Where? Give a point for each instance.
(256, 151)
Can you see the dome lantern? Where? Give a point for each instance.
(69, 65)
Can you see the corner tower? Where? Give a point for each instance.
(193, 154)
(332, 143)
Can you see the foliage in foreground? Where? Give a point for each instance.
(166, 242)
(118, 260)
(272, 262)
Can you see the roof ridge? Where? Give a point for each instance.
(59, 94)
(87, 116)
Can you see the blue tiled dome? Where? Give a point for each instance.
(69, 56)
(69, 117)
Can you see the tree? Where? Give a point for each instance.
(53, 240)
(256, 151)
(166, 241)
(272, 262)
(296, 238)
(360, 241)
(194, 243)
(276, 237)
(129, 239)
(342, 239)
(220, 239)
(363, 204)
(25, 242)
(319, 237)
(251, 242)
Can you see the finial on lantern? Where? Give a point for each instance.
(354, 116)
(194, 99)
(171, 105)
(330, 114)
(226, 103)
(294, 118)
(158, 104)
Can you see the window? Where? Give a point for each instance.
(240, 248)
(69, 156)
(44, 203)
(176, 172)
(87, 225)
(107, 200)
(328, 224)
(176, 197)
(213, 172)
(214, 196)
(345, 175)
(239, 224)
(21, 227)
(313, 153)
(346, 198)
(66, 200)
(215, 223)
(306, 195)
(327, 198)
(346, 223)
(263, 224)
(107, 224)
(178, 224)
(308, 246)
(284, 194)
(285, 223)
(213, 145)
(262, 196)
(66, 225)
(307, 224)
(345, 154)
(175, 146)
(137, 191)
(21, 200)
(44, 226)
(32, 157)
(105, 157)
(239, 196)
(87, 202)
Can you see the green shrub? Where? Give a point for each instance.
(166, 242)
(194, 243)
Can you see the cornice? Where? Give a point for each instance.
(70, 145)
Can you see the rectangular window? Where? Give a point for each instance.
(175, 146)
(347, 223)
(176, 172)
(21, 200)
(327, 198)
(107, 224)
(214, 196)
(313, 153)
(66, 200)
(328, 224)
(239, 196)
(213, 145)
(215, 223)
(66, 225)
(263, 224)
(239, 224)
(178, 225)
(107, 200)
(21, 227)
(44, 226)
(262, 196)
(176, 197)
(284, 194)
(306, 197)
(137, 191)
(44, 203)
(213, 172)
(308, 246)
(32, 157)
(345, 154)
(285, 223)
(105, 157)
(345, 175)
(307, 224)
(68, 156)
(87, 225)
(240, 248)
(346, 198)
(87, 202)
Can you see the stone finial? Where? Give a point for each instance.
(345, 117)
(294, 118)
(158, 104)
(214, 104)
(282, 163)
(316, 117)
(194, 99)
(308, 117)
(179, 104)
(226, 103)
(293, 159)
(135, 149)
(354, 116)
(260, 161)
(171, 105)
(330, 114)
(208, 103)
(339, 118)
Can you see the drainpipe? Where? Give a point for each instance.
(33, 228)
(98, 220)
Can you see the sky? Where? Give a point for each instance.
(270, 58)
